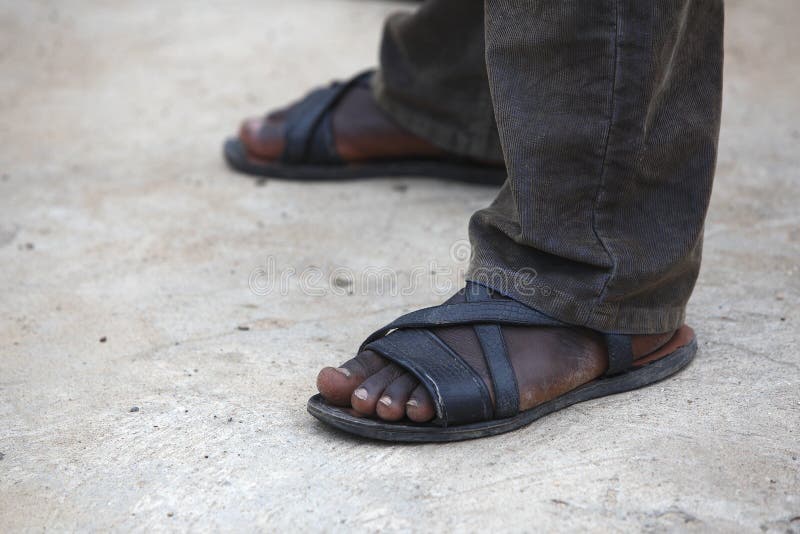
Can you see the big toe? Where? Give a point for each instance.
(262, 137)
(337, 385)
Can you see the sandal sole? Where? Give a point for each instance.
(238, 159)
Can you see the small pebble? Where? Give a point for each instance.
(103, 339)
(244, 328)
(342, 282)
(134, 409)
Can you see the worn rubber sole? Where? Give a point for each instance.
(642, 376)
(237, 157)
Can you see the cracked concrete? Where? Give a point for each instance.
(118, 220)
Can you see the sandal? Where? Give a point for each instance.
(462, 401)
(310, 150)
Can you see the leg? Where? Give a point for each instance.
(433, 80)
(608, 117)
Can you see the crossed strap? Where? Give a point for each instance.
(309, 124)
(459, 394)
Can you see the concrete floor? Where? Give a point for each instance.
(119, 222)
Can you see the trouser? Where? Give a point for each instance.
(606, 114)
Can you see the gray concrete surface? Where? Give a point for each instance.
(118, 220)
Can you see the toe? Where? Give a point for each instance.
(366, 395)
(337, 384)
(392, 402)
(263, 138)
(419, 407)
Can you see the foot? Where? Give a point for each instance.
(362, 132)
(547, 362)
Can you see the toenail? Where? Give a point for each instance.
(386, 400)
(361, 393)
(412, 403)
(346, 372)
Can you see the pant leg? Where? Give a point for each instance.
(432, 77)
(608, 113)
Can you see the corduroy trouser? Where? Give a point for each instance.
(606, 113)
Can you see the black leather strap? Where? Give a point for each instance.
(493, 344)
(502, 312)
(620, 353)
(458, 393)
(309, 130)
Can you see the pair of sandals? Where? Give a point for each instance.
(464, 407)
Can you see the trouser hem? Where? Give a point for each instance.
(484, 147)
(603, 317)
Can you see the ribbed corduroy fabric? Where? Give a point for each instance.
(433, 79)
(608, 116)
